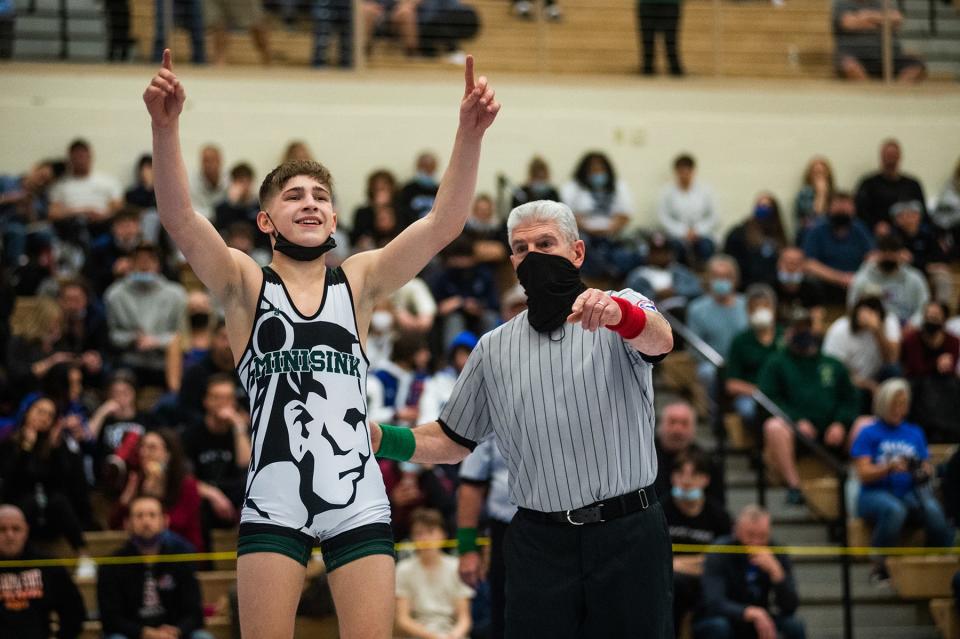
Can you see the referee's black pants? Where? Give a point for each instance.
(497, 577)
(609, 580)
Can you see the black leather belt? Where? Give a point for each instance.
(600, 511)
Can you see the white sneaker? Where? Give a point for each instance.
(86, 568)
(553, 13)
(522, 9)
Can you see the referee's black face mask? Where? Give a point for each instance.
(552, 284)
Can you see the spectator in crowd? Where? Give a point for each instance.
(892, 463)
(37, 265)
(381, 191)
(296, 150)
(8, 18)
(524, 9)
(43, 476)
(487, 233)
(32, 595)
(114, 420)
(879, 191)
(209, 185)
(432, 27)
(416, 197)
(153, 600)
(513, 302)
(437, 389)
(537, 186)
(858, 32)
(836, 247)
(140, 196)
(465, 292)
(603, 206)
(692, 519)
(867, 341)
(145, 311)
(82, 202)
(117, 14)
(947, 213)
(719, 316)
(241, 203)
(751, 349)
(741, 592)
(412, 486)
(431, 599)
(34, 350)
(663, 277)
(222, 16)
(193, 344)
(903, 288)
(930, 362)
(812, 389)
(686, 209)
(797, 291)
(659, 16)
(928, 253)
(414, 308)
(333, 18)
(219, 359)
(397, 376)
(676, 436)
(813, 199)
(163, 473)
(187, 14)
(241, 237)
(84, 328)
(23, 201)
(111, 255)
(756, 242)
(219, 450)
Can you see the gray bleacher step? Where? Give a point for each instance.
(934, 47)
(944, 67)
(866, 615)
(738, 497)
(917, 632)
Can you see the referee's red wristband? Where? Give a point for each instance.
(633, 319)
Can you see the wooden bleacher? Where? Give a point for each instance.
(595, 36)
(944, 613)
(927, 577)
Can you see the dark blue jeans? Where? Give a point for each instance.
(723, 628)
(187, 14)
(332, 18)
(888, 514)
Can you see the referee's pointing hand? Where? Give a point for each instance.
(593, 309)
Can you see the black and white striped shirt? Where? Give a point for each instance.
(572, 411)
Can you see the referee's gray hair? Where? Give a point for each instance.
(544, 211)
(887, 392)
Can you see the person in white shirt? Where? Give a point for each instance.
(82, 201)
(209, 186)
(867, 341)
(688, 213)
(414, 308)
(437, 389)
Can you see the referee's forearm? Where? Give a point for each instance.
(656, 337)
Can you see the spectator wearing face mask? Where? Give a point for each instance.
(929, 253)
(719, 316)
(537, 186)
(111, 255)
(676, 437)
(795, 290)
(815, 391)
(903, 288)
(193, 344)
(836, 247)
(930, 359)
(756, 242)
(416, 197)
(751, 349)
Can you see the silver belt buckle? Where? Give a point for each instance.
(575, 523)
(644, 502)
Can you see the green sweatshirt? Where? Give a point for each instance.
(814, 388)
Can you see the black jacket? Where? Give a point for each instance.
(28, 596)
(121, 589)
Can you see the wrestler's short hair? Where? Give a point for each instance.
(544, 211)
(273, 183)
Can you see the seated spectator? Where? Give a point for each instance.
(903, 288)
(84, 327)
(930, 362)
(664, 277)
(878, 192)
(719, 316)
(163, 474)
(437, 389)
(431, 599)
(397, 375)
(219, 359)
(867, 341)
(432, 27)
(797, 291)
(537, 186)
(241, 237)
(219, 449)
(411, 487)
(688, 214)
(414, 308)
(192, 344)
(241, 203)
(145, 311)
(676, 435)
(381, 191)
(111, 255)
(740, 592)
(814, 391)
(836, 247)
(756, 243)
(23, 202)
(465, 292)
(858, 31)
(115, 419)
(33, 595)
(334, 18)
(296, 150)
(37, 347)
(891, 460)
(487, 233)
(603, 206)
(751, 349)
(38, 265)
(187, 14)
(692, 519)
(221, 16)
(43, 476)
(416, 197)
(812, 200)
(209, 186)
(928, 253)
(82, 202)
(150, 600)
(947, 214)
(140, 196)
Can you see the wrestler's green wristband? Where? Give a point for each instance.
(466, 540)
(396, 442)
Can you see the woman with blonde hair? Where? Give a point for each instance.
(814, 196)
(32, 351)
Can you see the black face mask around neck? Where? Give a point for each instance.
(298, 251)
(552, 284)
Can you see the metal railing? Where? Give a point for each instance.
(839, 470)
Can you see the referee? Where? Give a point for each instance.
(566, 389)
